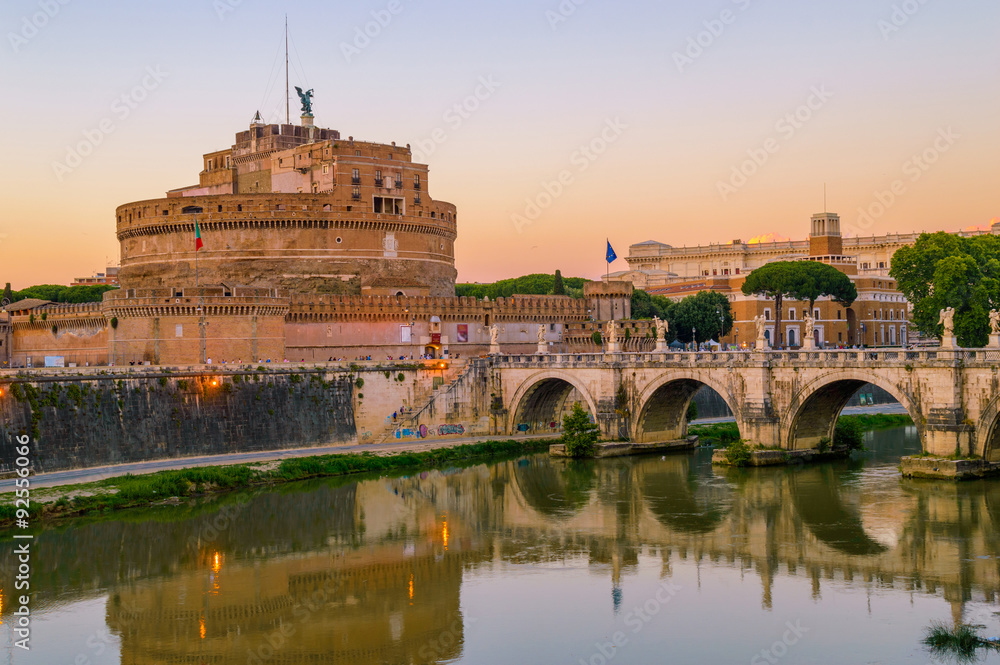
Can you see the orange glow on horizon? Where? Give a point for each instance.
(767, 237)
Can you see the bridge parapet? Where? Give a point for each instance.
(832, 357)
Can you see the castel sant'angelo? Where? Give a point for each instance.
(312, 246)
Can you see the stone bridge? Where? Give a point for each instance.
(785, 399)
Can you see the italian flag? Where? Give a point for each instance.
(198, 244)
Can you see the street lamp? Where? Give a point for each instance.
(694, 338)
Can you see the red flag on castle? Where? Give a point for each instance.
(198, 244)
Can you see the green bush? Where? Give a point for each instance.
(849, 433)
(692, 412)
(579, 434)
(738, 453)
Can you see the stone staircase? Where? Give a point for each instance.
(428, 398)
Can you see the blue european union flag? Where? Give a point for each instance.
(611, 253)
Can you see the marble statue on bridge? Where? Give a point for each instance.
(994, 329)
(543, 347)
(947, 319)
(809, 338)
(494, 336)
(611, 337)
(661, 328)
(761, 343)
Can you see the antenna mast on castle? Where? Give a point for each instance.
(287, 121)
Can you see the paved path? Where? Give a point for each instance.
(78, 476)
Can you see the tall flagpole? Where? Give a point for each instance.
(196, 256)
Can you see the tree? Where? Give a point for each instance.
(558, 289)
(646, 306)
(701, 312)
(798, 280)
(579, 434)
(535, 284)
(942, 270)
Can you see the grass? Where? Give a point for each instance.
(960, 642)
(131, 491)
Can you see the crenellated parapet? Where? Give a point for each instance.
(305, 308)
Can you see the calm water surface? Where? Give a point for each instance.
(634, 561)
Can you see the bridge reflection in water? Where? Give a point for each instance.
(373, 571)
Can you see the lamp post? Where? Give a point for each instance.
(694, 338)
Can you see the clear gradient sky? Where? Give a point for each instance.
(888, 80)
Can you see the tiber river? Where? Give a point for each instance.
(632, 561)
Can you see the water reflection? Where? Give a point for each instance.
(373, 571)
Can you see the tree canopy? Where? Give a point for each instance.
(558, 288)
(646, 306)
(701, 313)
(535, 284)
(799, 280)
(942, 270)
(68, 294)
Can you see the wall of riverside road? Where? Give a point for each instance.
(77, 419)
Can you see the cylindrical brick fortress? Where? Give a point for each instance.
(302, 243)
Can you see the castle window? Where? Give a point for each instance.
(239, 207)
(220, 208)
(326, 169)
(357, 153)
(838, 315)
(339, 240)
(416, 181)
(315, 188)
(355, 177)
(356, 193)
(228, 162)
(791, 314)
(326, 207)
(191, 210)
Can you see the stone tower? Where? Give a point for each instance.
(824, 236)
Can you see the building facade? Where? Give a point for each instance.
(879, 316)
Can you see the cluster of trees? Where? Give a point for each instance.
(944, 270)
(805, 281)
(59, 293)
(707, 314)
(535, 284)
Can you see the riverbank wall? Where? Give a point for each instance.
(77, 418)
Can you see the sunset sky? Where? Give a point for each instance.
(671, 96)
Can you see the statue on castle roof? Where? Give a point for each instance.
(306, 99)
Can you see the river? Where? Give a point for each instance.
(631, 560)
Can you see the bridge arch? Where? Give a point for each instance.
(813, 411)
(988, 432)
(663, 405)
(543, 396)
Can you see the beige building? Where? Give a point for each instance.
(655, 264)
(879, 316)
